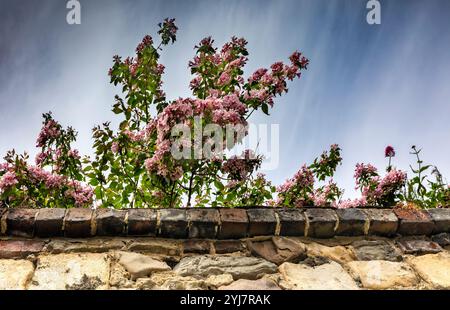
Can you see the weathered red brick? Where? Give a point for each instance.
(203, 223)
(414, 222)
(110, 222)
(233, 223)
(321, 222)
(382, 222)
(77, 222)
(49, 222)
(20, 222)
(173, 223)
(292, 222)
(19, 248)
(142, 222)
(228, 246)
(261, 222)
(197, 246)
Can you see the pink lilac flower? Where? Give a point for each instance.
(232, 102)
(160, 69)
(49, 130)
(41, 157)
(394, 179)
(304, 177)
(57, 154)
(195, 62)
(364, 170)
(267, 79)
(258, 94)
(195, 83)
(7, 180)
(350, 203)
(133, 68)
(135, 136)
(4, 167)
(208, 41)
(115, 147)
(286, 186)
(277, 67)
(295, 57)
(146, 41)
(74, 154)
(82, 195)
(224, 79)
(319, 198)
(257, 75)
(54, 181)
(37, 174)
(237, 63)
(238, 42)
(292, 72)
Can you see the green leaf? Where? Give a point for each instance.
(265, 108)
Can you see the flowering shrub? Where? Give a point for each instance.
(377, 190)
(137, 165)
(56, 178)
(300, 190)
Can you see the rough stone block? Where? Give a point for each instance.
(15, 274)
(414, 222)
(292, 222)
(239, 267)
(367, 250)
(139, 265)
(352, 222)
(382, 222)
(443, 239)
(173, 223)
(110, 222)
(85, 271)
(20, 222)
(77, 222)
(160, 247)
(380, 274)
(433, 268)
(261, 222)
(49, 222)
(197, 246)
(441, 218)
(321, 222)
(329, 276)
(233, 223)
(278, 250)
(89, 245)
(228, 246)
(142, 222)
(418, 246)
(20, 248)
(203, 223)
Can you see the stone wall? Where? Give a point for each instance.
(234, 249)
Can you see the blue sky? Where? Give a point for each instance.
(367, 86)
